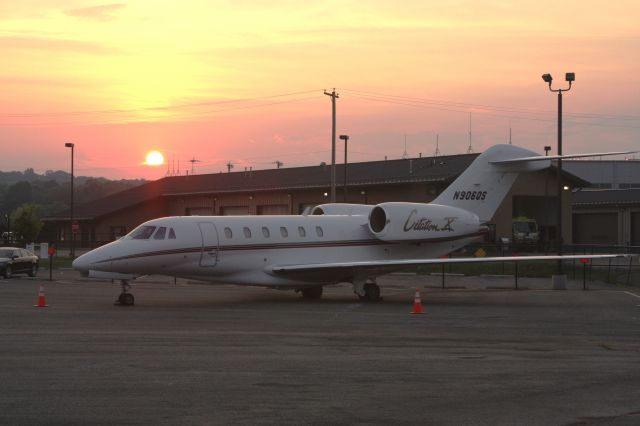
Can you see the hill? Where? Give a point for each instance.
(51, 191)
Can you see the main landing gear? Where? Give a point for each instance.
(125, 298)
(367, 291)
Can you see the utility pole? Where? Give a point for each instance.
(333, 96)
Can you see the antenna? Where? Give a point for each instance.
(509, 132)
(470, 149)
(437, 153)
(193, 161)
(405, 155)
(229, 166)
(278, 163)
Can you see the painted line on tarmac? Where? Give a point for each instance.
(631, 294)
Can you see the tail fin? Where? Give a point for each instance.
(483, 186)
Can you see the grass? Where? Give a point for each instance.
(58, 262)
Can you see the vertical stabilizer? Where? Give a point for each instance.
(483, 186)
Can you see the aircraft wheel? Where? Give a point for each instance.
(312, 292)
(371, 293)
(125, 299)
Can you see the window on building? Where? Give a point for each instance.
(228, 233)
(319, 231)
(265, 232)
(302, 232)
(284, 232)
(628, 185)
(172, 234)
(142, 232)
(247, 232)
(160, 233)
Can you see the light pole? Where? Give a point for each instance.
(8, 217)
(560, 282)
(72, 248)
(345, 138)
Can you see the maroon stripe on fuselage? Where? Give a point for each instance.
(278, 246)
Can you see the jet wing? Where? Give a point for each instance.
(385, 266)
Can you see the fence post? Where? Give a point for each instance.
(516, 273)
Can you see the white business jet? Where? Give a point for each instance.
(336, 243)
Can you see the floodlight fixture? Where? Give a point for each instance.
(570, 76)
(547, 78)
(69, 145)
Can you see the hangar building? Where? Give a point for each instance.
(291, 190)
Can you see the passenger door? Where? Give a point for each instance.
(209, 252)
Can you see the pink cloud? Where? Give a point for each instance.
(102, 13)
(42, 43)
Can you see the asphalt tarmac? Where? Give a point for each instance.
(191, 354)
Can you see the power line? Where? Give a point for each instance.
(466, 106)
(156, 108)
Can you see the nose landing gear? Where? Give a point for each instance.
(125, 298)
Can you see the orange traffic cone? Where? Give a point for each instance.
(417, 304)
(41, 301)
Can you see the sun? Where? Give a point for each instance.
(154, 158)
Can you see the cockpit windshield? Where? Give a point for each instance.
(141, 233)
(145, 232)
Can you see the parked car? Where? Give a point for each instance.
(14, 260)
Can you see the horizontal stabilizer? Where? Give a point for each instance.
(556, 157)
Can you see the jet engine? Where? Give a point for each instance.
(341, 209)
(422, 222)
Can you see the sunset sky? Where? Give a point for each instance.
(243, 81)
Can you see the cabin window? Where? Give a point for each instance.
(142, 232)
(160, 233)
(265, 232)
(319, 231)
(227, 233)
(247, 232)
(301, 231)
(172, 234)
(284, 232)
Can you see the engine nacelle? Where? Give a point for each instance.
(422, 222)
(342, 209)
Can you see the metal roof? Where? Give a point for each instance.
(385, 172)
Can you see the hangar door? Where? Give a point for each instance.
(234, 210)
(635, 228)
(273, 209)
(595, 228)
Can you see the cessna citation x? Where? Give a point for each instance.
(335, 243)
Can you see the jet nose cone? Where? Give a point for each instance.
(81, 264)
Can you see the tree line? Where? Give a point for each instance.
(25, 197)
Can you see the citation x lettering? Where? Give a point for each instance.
(335, 243)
